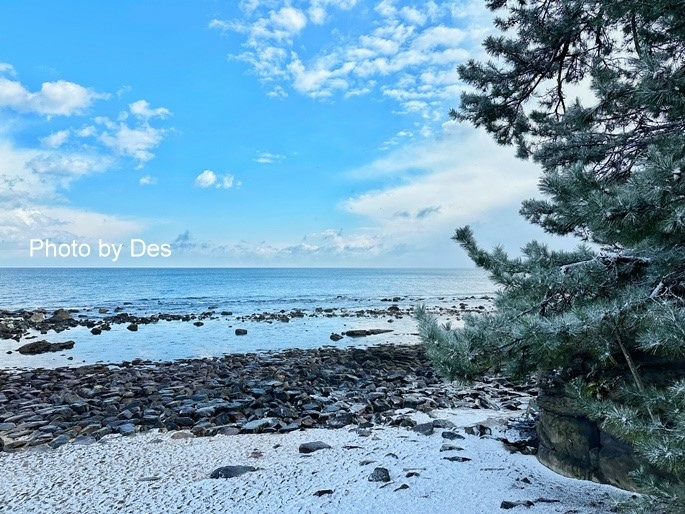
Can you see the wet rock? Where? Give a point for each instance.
(335, 337)
(324, 492)
(240, 331)
(365, 333)
(37, 317)
(43, 346)
(133, 327)
(60, 315)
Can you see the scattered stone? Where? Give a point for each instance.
(479, 430)
(450, 448)
(510, 505)
(457, 459)
(379, 475)
(258, 425)
(324, 492)
(231, 471)
(295, 389)
(424, 428)
(37, 317)
(241, 331)
(403, 486)
(133, 327)
(60, 315)
(182, 435)
(335, 337)
(452, 436)
(313, 447)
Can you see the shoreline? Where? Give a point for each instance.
(237, 393)
(146, 436)
(382, 470)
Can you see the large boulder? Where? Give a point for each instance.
(43, 346)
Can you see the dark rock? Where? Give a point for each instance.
(364, 333)
(324, 492)
(43, 346)
(456, 458)
(510, 505)
(424, 428)
(257, 425)
(231, 471)
(336, 337)
(450, 447)
(60, 315)
(133, 327)
(379, 475)
(240, 331)
(341, 420)
(313, 446)
(59, 441)
(450, 436)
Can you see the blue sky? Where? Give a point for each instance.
(252, 133)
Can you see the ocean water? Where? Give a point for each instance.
(242, 291)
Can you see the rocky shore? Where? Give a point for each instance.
(237, 394)
(17, 324)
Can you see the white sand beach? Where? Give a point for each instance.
(166, 473)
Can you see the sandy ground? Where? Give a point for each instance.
(154, 473)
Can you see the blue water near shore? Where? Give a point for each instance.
(242, 291)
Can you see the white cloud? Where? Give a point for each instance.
(19, 225)
(147, 180)
(407, 53)
(209, 178)
(60, 98)
(68, 164)
(441, 184)
(205, 179)
(142, 110)
(6, 68)
(137, 142)
(56, 139)
(269, 158)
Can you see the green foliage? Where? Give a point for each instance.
(611, 314)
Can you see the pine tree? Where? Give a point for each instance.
(608, 317)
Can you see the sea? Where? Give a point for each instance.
(240, 291)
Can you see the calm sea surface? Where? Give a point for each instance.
(241, 291)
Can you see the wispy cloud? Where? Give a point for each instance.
(209, 178)
(407, 53)
(56, 139)
(439, 184)
(268, 158)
